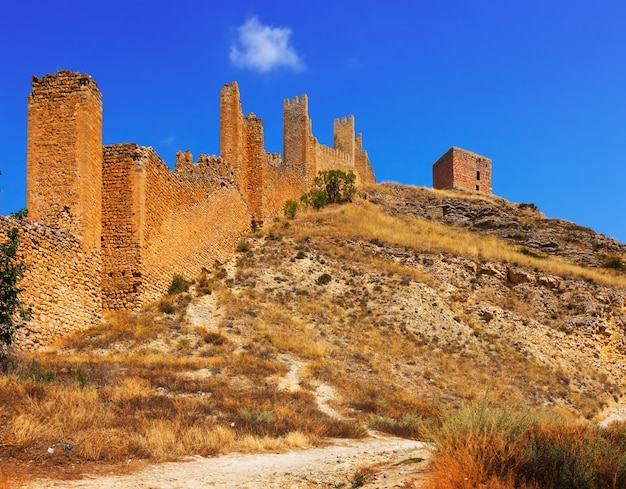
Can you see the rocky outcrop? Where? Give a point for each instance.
(520, 224)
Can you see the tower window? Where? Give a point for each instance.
(477, 188)
(478, 175)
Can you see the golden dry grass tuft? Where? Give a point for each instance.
(512, 448)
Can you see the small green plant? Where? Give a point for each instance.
(13, 313)
(359, 479)
(36, 372)
(315, 198)
(243, 246)
(19, 215)
(323, 279)
(290, 209)
(178, 285)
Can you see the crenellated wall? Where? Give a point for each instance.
(109, 226)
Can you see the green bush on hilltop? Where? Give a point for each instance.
(330, 187)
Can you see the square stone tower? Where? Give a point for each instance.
(462, 169)
(64, 162)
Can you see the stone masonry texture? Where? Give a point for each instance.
(109, 226)
(464, 170)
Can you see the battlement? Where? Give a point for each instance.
(296, 102)
(345, 120)
(62, 83)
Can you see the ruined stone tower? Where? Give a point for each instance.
(64, 162)
(344, 135)
(242, 146)
(462, 169)
(298, 147)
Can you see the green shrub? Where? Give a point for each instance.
(13, 313)
(614, 262)
(178, 285)
(339, 185)
(315, 198)
(243, 246)
(330, 187)
(290, 209)
(323, 279)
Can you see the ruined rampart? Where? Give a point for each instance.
(109, 226)
(62, 282)
(158, 223)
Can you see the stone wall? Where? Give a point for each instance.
(190, 224)
(265, 181)
(462, 169)
(158, 223)
(110, 226)
(62, 282)
(123, 220)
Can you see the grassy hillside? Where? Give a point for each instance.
(378, 314)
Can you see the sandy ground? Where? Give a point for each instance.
(385, 462)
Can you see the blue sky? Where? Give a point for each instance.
(537, 86)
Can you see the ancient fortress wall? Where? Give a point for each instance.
(62, 282)
(462, 169)
(158, 223)
(189, 224)
(108, 227)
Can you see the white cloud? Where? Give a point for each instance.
(167, 141)
(263, 48)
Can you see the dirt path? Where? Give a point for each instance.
(383, 462)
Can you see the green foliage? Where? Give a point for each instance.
(36, 372)
(315, 198)
(290, 209)
(330, 187)
(19, 215)
(13, 313)
(178, 285)
(323, 279)
(339, 185)
(243, 246)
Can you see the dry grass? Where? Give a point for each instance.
(394, 342)
(368, 222)
(512, 448)
(142, 399)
